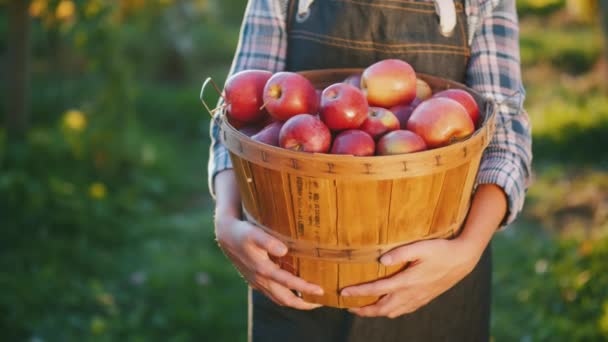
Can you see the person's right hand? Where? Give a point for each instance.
(248, 247)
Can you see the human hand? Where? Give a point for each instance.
(434, 265)
(248, 247)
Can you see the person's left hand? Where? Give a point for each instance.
(435, 266)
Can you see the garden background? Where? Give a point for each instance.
(106, 222)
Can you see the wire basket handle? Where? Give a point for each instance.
(201, 96)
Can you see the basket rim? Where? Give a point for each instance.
(260, 153)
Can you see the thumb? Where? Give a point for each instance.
(403, 254)
(268, 242)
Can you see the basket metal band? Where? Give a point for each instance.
(362, 254)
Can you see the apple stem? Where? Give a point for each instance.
(264, 105)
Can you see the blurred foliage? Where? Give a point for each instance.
(549, 289)
(106, 229)
(107, 225)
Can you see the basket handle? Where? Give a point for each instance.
(202, 97)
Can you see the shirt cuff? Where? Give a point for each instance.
(505, 170)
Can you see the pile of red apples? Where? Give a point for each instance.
(386, 110)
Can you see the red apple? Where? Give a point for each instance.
(465, 99)
(244, 95)
(250, 130)
(343, 106)
(354, 142)
(379, 121)
(400, 142)
(270, 134)
(287, 94)
(423, 90)
(403, 112)
(388, 83)
(306, 133)
(319, 97)
(439, 121)
(354, 80)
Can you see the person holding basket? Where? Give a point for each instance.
(444, 295)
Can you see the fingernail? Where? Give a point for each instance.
(345, 293)
(386, 260)
(279, 249)
(319, 292)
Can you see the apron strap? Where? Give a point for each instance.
(447, 16)
(445, 10)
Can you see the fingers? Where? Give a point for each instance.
(285, 297)
(404, 254)
(262, 268)
(267, 242)
(390, 306)
(290, 281)
(249, 249)
(383, 307)
(379, 287)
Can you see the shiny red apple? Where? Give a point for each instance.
(379, 121)
(354, 142)
(287, 94)
(440, 121)
(404, 111)
(465, 99)
(388, 83)
(400, 142)
(270, 134)
(244, 95)
(306, 133)
(343, 106)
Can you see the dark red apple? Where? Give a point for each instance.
(400, 142)
(388, 83)
(236, 123)
(465, 99)
(270, 134)
(423, 90)
(440, 121)
(306, 133)
(319, 97)
(250, 130)
(354, 142)
(379, 121)
(354, 80)
(287, 94)
(244, 95)
(403, 112)
(343, 106)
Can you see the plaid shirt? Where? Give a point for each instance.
(493, 70)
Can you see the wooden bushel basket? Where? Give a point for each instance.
(338, 214)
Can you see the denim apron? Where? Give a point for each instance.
(357, 33)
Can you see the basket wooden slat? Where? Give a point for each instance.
(338, 214)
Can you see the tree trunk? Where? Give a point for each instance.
(604, 22)
(17, 94)
(603, 10)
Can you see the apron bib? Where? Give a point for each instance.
(358, 33)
